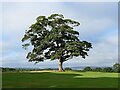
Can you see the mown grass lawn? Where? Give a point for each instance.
(69, 79)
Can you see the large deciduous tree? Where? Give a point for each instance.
(54, 38)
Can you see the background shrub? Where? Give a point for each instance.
(87, 69)
(67, 68)
(107, 69)
(98, 69)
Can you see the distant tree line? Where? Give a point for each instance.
(17, 69)
(23, 69)
(99, 69)
(8, 69)
(114, 68)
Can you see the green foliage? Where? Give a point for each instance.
(98, 69)
(8, 69)
(116, 67)
(67, 68)
(107, 69)
(87, 69)
(53, 38)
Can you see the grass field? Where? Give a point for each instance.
(69, 79)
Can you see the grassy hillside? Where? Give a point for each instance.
(69, 79)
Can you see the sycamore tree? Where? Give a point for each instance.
(54, 38)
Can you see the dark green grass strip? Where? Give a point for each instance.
(53, 80)
(60, 89)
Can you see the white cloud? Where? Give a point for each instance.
(19, 16)
(92, 26)
(23, 15)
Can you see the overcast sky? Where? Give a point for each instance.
(99, 25)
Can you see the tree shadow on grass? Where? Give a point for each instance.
(64, 80)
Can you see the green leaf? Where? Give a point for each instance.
(26, 37)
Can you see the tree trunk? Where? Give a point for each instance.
(60, 66)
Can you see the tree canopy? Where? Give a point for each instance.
(54, 38)
(116, 67)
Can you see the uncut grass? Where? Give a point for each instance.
(60, 80)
